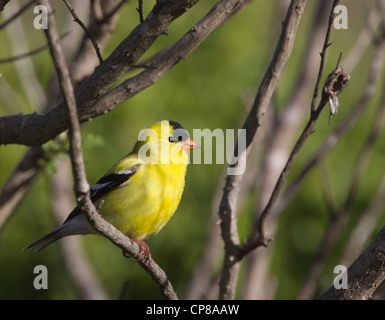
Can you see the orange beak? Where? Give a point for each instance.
(189, 145)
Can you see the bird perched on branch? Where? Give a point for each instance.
(140, 193)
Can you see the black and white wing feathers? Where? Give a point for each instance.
(106, 184)
(111, 182)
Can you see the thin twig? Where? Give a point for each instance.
(305, 134)
(323, 54)
(81, 185)
(140, 10)
(283, 132)
(346, 124)
(16, 14)
(228, 204)
(76, 19)
(341, 216)
(285, 129)
(18, 182)
(260, 236)
(29, 53)
(25, 70)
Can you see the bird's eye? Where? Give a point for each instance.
(175, 138)
(178, 135)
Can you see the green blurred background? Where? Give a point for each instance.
(206, 90)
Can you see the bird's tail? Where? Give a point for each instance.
(76, 225)
(47, 239)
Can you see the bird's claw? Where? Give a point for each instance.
(143, 249)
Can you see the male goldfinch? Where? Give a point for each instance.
(140, 193)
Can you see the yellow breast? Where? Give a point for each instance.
(147, 201)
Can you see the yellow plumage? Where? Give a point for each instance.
(154, 192)
(140, 193)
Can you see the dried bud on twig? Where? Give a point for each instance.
(334, 84)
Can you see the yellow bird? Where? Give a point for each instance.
(140, 193)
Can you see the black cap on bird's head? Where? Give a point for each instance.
(180, 134)
(175, 125)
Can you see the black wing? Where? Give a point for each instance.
(106, 184)
(111, 182)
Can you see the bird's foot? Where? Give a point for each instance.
(143, 249)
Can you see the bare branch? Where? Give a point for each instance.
(52, 123)
(29, 53)
(228, 205)
(323, 54)
(81, 185)
(16, 14)
(365, 274)
(18, 182)
(37, 131)
(24, 69)
(313, 118)
(76, 154)
(218, 15)
(140, 10)
(83, 65)
(337, 78)
(90, 90)
(339, 218)
(286, 127)
(76, 19)
(346, 124)
(85, 60)
(282, 135)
